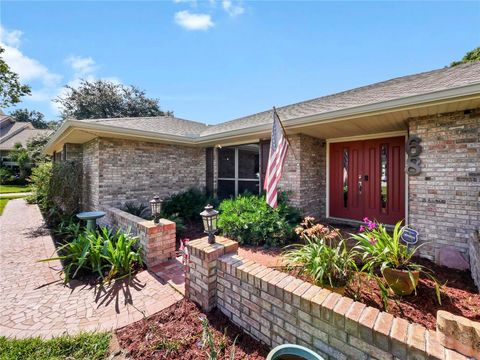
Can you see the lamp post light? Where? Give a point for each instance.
(156, 208)
(209, 216)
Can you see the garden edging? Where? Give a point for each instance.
(277, 308)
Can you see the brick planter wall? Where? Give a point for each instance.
(474, 252)
(277, 308)
(156, 240)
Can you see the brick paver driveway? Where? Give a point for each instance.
(33, 299)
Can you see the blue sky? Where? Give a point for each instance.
(217, 60)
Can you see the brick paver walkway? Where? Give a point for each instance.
(33, 299)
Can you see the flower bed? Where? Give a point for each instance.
(176, 333)
(459, 296)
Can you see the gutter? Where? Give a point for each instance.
(449, 95)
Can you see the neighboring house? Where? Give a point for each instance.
(347, 161)
(13, 132)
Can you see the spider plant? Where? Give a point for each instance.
(382, 252)
(325, 258)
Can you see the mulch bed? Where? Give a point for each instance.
(176, 333)
(459, 296)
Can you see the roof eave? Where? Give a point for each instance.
(447, 95)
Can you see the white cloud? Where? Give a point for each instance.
(193, 2)
(43, 81)
(11, 38)
(231, 8)
(82, 65)
(191, 21)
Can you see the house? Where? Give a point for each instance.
(13, 132)
(406, 148)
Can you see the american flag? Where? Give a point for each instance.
(276, 159)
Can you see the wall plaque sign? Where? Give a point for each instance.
(409, 236)
(414, 149)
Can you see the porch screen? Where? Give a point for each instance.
(238, 170)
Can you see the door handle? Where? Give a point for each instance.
(360, 177)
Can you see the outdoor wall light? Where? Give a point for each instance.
(156, 208)
(209, 216)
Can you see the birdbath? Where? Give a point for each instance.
(91, 218)
(292, 352)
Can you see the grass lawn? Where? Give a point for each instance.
(4, 201)
(82, 346)
(5, 189)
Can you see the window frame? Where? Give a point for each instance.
(236, 179)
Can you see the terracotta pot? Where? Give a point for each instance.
(400, 282)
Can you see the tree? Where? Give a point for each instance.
(470, 56)
(35, 148)
(20, 155)
(11, 90)
(35, 117)
(105, 99)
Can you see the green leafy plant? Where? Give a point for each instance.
(208, 340)
(249, 220)
(133, 208)
(188, 204)
(6, 176)
(381, 250)
(68, 228)
(55, 189)
(103, 252)
(324, 257)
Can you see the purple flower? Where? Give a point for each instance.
(366, 220)
(371, 225)
(362, 228)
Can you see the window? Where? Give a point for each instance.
(383, 177)
(238, 170)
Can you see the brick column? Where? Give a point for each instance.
(201, 276)
(158, 241)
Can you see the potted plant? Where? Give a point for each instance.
(385, 253)
(324, 257)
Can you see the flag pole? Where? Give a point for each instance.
(284, 132)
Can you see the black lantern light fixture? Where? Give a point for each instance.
(209, 216)
(156, 208)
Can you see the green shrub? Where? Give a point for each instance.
(6, 176)
(105, 253)
(188, 204)
(55, 188)
(249, 220)
(133, 208)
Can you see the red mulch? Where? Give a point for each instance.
(459, 296)
(176, 333)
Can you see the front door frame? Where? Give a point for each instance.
(355, 138)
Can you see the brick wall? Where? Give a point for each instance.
(444, 199)
(116, 171)
(277, 308)
(90, 175)
(474, 253)
(305, 174)
(156, 240)
(135, 171)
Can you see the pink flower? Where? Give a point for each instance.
(372, 241)
(366, 220)
(362, 228)
(371, 225)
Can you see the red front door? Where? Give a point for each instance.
(367, 179)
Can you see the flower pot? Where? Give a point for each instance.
(399, 281)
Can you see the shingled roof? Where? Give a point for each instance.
(395, 89)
